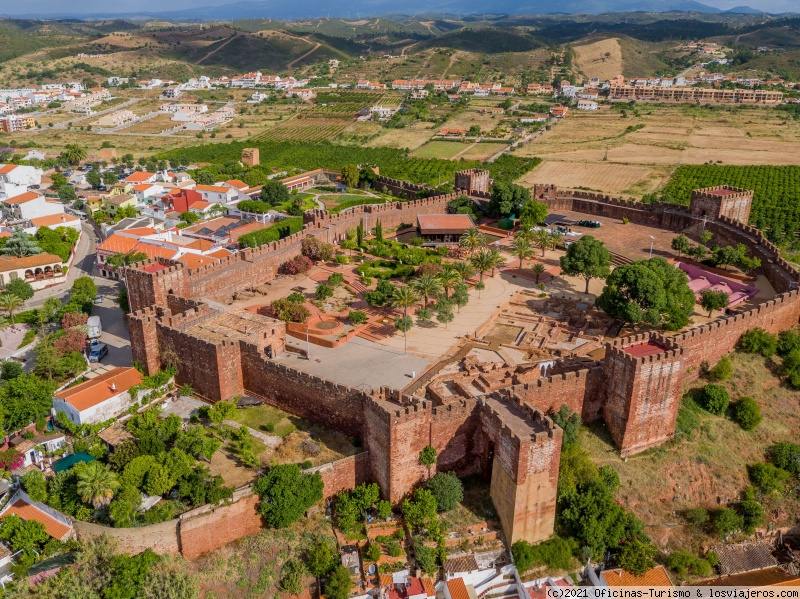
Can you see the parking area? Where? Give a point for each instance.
(115, 330)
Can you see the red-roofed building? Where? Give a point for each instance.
(98, 399)
(56, 524)
(443, 228)
(141, 177)
(180, 200)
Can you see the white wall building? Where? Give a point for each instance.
(18, 174)
(98, 399)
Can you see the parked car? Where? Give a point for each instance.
(95, 327)
(98, 299)
(97, 352)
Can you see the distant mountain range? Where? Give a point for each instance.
(289, 9)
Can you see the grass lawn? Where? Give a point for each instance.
(308, 202)
(440, 149)
(261, 417)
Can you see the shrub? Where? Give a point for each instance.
(295, 266)
(787, 342)
(357, 317)
(323, 292)
(767, 477)
(556, 553)
(785, 455)
(715, 399)
(688, 420)
(697, 516)
(289, 311)
(723, 370)
(447, 489)
(372, 553)
(725, 521)
(752, 513)
(747, 413)
(759, 341)
(341, 259)
(685, 562)
(336, 279)
(393, 549)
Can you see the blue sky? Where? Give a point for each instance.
(42, 7)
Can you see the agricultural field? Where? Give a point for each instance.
(410, 137)
(305, 130)
(604, 177)
(776, 198)
(157, 124)
(483, 151)
(346, 104)
(671, 135)
(441, 149)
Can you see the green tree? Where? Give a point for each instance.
(637, 557)
(650, 291)
(22, 289)
(542, 238)
(448, 277)
(286, 494)
(786, 455)
(587, 258)
(681, 244)
(320, 557)
(20, 245)
(274, 193)
(338, 585)
(428, 457)
(405, 298)
(123, 509)
(724, 521)
(768, 477)
(35, 485)
(507, 199)
(96, 484)
(444, 313)
(93, 178)
(421, 511)
(189, 217)
(27, 536)
(538, 270)
(713, 300)
(570, 423)
(24, 399)
(447, 489)
(323, 292)
(350, 175)
(460, 295)
(747, 413)
(533, 214)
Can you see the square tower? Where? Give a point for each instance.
(722, 201)
(250, 157)
(473, 180)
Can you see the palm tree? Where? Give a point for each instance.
(497, 258)
(448, 278)
(3, 325)
(522, 249)
(404, 297)
(482, 261)
(96, 484)
(8, 303)
(427, 286)
(472, 239)
(464, 269)
(74, 153)
(542, 239)
(538, 270)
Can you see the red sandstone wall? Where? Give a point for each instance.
(581, 390)
(344, 474)
(207, 529)
(336, 406)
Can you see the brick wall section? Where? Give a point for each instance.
(581, 390)
(344, 474)
(722, 201)
(335, 406)
(161, 538)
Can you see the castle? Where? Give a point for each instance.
(504, 434)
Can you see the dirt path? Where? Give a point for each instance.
(449, 64)
(296, 60)
(210, 54)
(403, 51)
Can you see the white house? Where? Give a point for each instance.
(587, 105)
(31, 205)
(219, 194)
(41, 270)
(138, 177)
(53, 221)
(18, 174)
(9, 190)
(33, 450)
(98, 399)
(142, 191)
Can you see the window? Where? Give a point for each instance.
(14, 276)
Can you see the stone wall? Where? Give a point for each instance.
(581, 390)
(161, 538)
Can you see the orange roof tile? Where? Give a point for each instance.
(655, 577)
(7, 168)
(156, 251)
(98, 389)
(5, 234)
(430, 590)
(8, 263)
(457, 588)
(24, 197)
(139, 177)
(220, 253)
(196, 260)
(201, 244)
(237, 184)
(432, 223)
(53, 219)
(118, 244)
(143, 186)
(139, 231)
(200, 205)
(214, 188)
(26, 511)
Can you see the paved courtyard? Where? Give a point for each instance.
(359, 363)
